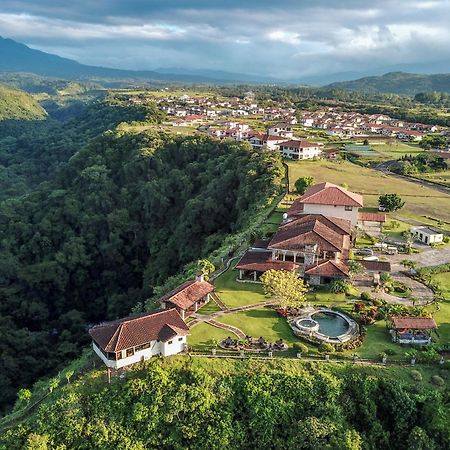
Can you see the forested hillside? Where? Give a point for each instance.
(18, 105)
(222, 404)
(398, 83)
(31, 151)
(126, 212)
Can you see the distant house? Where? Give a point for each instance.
(281, 129)
(329, 200)
(189, 297)
(133, 339)
(427, 235)
(259, 140)
(326, 271)
(299, 150)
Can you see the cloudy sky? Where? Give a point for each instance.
(280, 38)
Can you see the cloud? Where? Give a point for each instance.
(288, 38)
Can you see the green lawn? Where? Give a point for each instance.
(442, 317)
(263, 322)
(393, 231)
(396, 150)
(234, 293)
(204, 336)
(420, 201)
(209, 308)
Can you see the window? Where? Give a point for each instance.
(180, 339)
(349, 208)
(170, 342)
(130, 352)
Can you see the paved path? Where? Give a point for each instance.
(223, 326)
(427, 258)
(198, 318)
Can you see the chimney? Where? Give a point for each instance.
(199, 276)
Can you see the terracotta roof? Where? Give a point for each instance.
(376, 266)
(261, 261)
(138, 330)
(297, 144)
(414, 323)
(340, 226)
(185, 295)
(331, 194)
(328, 269)
(260, 243)
(372, 217)
(309, 230)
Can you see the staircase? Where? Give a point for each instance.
(236, 331)
(217, 300)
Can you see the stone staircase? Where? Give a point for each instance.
(236, 331)
(218, 301)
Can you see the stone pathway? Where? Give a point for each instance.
(239, 333)
(218, 301)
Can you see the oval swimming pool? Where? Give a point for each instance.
(332, 325)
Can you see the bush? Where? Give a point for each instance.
(365, 296)
(377, 302)
(340, 286)
(299, 347)
(437, 380)
(390, 352)
(416, 375)
(325, 347)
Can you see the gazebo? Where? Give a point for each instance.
(411, 330)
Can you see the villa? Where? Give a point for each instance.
(299, 149)
(329, 200)
(189, 297)
(133, 339)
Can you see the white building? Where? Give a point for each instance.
(281, 129)
(329, 200)
(128, 341)
(299, 149)
(427, 235)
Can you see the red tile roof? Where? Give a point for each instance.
(331, 194)
(297, 144)
(372, 217)
(376, 266)
(340, 226)
(261, 261)
(310, 230)
(329, 269)
(133, 331)
(185, 295)
(414, 323)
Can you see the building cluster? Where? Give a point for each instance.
(350, 124)
(315, 237)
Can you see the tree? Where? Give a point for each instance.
(355, 267)
(409, 239)
(340, 286)
(303, 183)
(390, 202)
(69, 374)
(408, 264)
(53, 384)
(286, 287)
(206, 267)
(24, 395)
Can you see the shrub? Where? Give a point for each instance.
(437, 380)
(416, 375)
(340, 286)
(325, 347)
(365, 296)
(390, 352)
(301, 348)
(377, 302)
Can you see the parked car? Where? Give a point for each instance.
(364, 251)
(371, 258)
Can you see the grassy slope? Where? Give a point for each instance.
(420, 201)
(18, 105)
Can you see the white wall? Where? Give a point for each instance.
(155, 348)
(333, 211)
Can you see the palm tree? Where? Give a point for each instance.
(408, 264)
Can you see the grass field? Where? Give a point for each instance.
(420, 201)
(204, 337)
(234, 293)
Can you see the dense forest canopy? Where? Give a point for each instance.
(219, 404)
(125, 213)
(31, 151)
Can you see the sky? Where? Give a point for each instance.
(278, 38)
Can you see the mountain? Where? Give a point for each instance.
(398, 83)
(17, 57)
(220, 75)
(19, 105)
